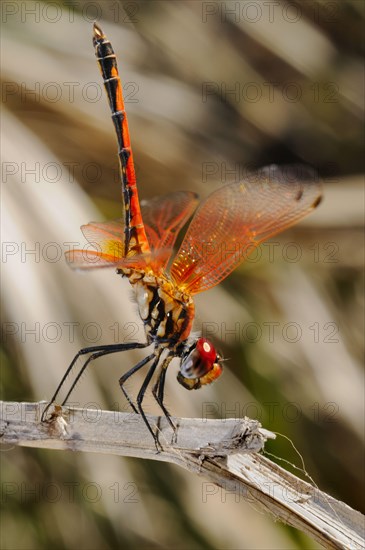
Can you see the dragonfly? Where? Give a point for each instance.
(226, 227)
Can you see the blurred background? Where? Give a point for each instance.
(212, 89)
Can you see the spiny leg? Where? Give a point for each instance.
(158, 390)
(97, 351)
(125, 377)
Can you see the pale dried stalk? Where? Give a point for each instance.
(226, 452)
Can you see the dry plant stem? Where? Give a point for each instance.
(225, 452)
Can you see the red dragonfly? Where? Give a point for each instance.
(226, 227)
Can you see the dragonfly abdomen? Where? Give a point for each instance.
(135, 241)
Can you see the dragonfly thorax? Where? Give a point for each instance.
(165, 310)
(168, 315)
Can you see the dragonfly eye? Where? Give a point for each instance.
(200, 366)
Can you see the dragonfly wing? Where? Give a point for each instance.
(107, 248)
(90, 259)
(164, 216)
(106, 237)
(236, 218)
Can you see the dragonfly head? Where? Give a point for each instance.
(200, 365)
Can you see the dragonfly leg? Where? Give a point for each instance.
(141, 395)
(158, 390)
(125, 377)
(96, 351)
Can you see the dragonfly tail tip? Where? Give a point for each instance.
(98, 33)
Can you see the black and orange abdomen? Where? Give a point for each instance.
(135, 236)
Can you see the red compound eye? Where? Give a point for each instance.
(200, 365)
(200, 359)
(206, 350)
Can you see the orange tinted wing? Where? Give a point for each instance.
(106, 237)
(235, 219)
(107, 242)
(90, 259)
(164, 216)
